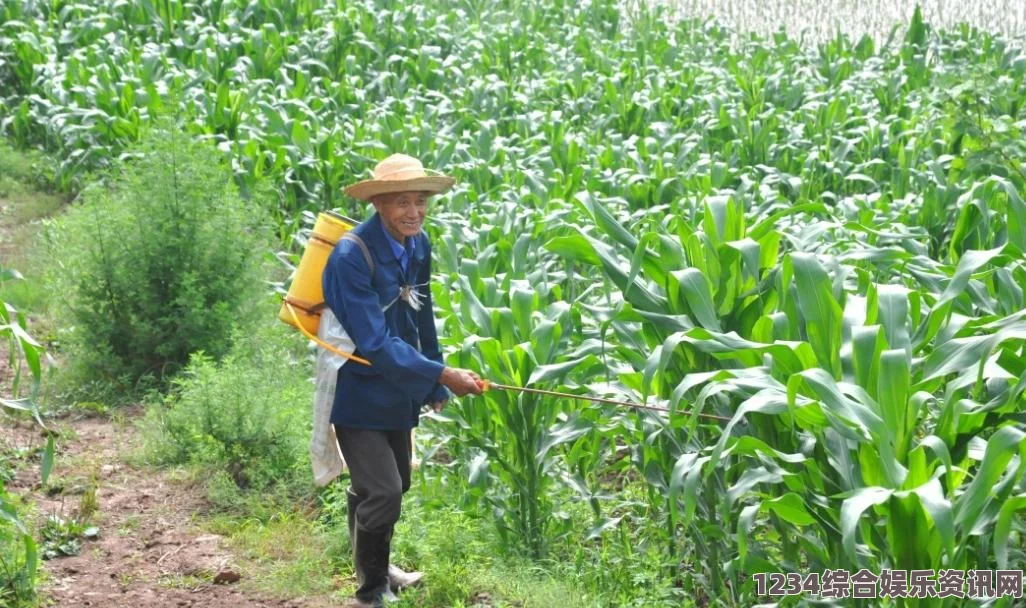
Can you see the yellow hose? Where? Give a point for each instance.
(306, 333)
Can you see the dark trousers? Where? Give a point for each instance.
(379, 472)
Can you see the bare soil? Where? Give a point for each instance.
(148, 553)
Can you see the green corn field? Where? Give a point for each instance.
(819, 240)
(818, 22)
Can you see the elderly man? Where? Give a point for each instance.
(377, 285)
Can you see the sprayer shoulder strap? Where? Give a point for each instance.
(363, 247)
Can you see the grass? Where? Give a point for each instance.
(288, 550)
(286, 556)
(130, 526)
(26, 198)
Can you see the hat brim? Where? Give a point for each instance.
(369, 188)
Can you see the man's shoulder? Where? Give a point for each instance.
(348, 251)
(362, 230)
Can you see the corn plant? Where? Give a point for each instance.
(510, 442)
(21, 348)
(19, 571)
(886, 400)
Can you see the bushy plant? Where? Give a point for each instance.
(247, 416)
(158, 262)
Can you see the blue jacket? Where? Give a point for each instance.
(400, 342)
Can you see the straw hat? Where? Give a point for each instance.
(400, 173)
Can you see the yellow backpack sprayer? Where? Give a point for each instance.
(304, 301)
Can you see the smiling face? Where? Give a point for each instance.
(402, 213)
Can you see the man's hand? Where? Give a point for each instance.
(461, 381)
(438, 406)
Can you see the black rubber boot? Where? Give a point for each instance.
(371, 552)
(398, 579)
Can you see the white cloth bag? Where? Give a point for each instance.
(325, 456)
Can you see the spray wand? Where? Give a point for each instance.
(488, 384)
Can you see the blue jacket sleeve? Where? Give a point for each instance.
(348, 292)
(427, 330)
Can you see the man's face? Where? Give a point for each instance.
(402, 213)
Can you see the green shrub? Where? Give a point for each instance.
(158, 262)
(247, 416)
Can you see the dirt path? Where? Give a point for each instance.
(148, 553)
